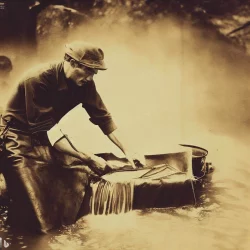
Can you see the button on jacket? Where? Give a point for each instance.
(44, 96)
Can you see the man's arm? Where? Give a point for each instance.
(96, 109)
(114, 138)
(62, 143)
(99, 115)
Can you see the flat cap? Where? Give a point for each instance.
(86, 54)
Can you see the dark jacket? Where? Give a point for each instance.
(44, 96)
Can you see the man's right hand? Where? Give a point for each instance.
(98, 164)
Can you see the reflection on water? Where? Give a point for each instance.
(219, 221)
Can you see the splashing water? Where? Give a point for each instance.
(112, 198)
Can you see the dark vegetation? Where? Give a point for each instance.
(19, 26)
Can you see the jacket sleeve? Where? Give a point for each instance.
(39, 110)
(99, 115)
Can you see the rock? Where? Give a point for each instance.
(54, 24)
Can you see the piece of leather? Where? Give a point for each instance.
(45, 191)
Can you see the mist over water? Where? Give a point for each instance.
(167, 83)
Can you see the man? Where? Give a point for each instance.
(47, 193)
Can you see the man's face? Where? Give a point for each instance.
(81, 74)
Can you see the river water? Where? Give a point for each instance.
(220, 221)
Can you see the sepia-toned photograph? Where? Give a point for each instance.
(124, 124)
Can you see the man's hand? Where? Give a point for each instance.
(135, 159)
(132, 157)
(97, 164)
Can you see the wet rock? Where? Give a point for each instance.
(55, 22)
(58, 18)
